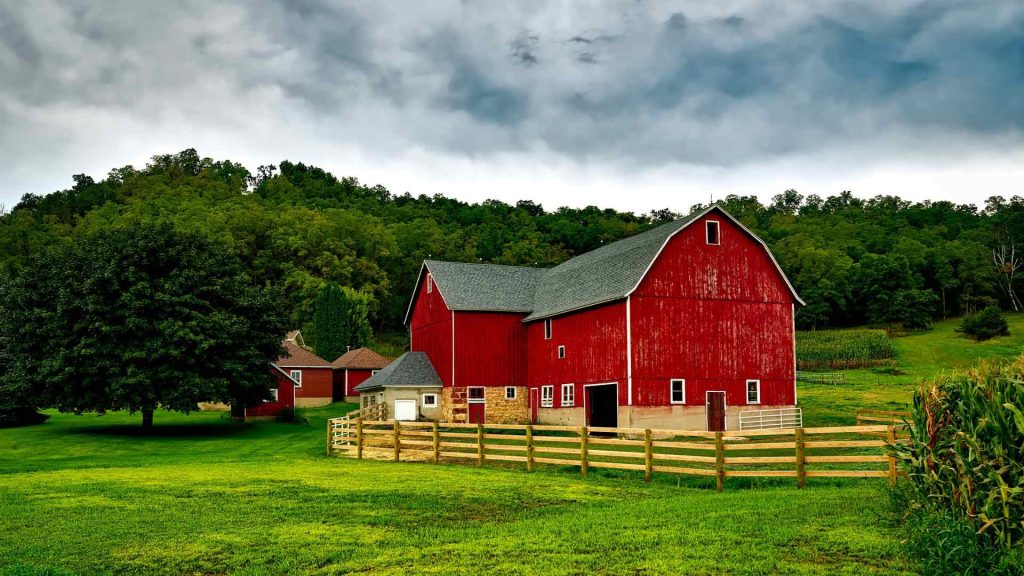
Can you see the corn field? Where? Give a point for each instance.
(839, 349)
(966, 451)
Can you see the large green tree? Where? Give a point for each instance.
(139, 318)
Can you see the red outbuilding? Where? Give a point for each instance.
(283, 396)
(352, 369)
(684, 325)
(313, 376)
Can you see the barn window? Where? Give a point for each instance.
(547, 329)
(476, 392)
(297, 376)
(430, 400)
(678, 390)
(430, 284)
(753, 391)
(561, 351)
(510, 392)
(568, 395)
(372, 372)
(547, 396)
(712, 228)
(273, 394)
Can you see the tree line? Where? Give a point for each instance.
(296, 227)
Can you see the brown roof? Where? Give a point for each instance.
(361, 358)
(297, 357)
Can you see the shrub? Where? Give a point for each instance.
(986, 324)
(965, 459)
(915, 308)
(843, 348)
(290, 416)
(19, 416)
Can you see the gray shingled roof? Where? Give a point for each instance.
(490, 287)
(411, 369)
(603, 275)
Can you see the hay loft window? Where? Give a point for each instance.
(430, 400)
(430, 284)
(568, 395)
(561, 351)
(753, 391)
(547, 329)
(678, 391)
(510, 392)
(712, 232)
(476, 392)
(297, 376)
(547, 396)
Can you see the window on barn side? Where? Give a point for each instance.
(678, 391)
(547, 328)
(273, 394)
(753, 391)
(476, 392)
(568, 395)
(547, 396)
(561, 351)
(430, 400)
(510, 392)
(712, 232)
(297, 376)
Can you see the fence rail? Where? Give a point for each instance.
(833, 378)
(799, 453)
(897, 418)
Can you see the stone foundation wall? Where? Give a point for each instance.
(501, 410)
(312, 402)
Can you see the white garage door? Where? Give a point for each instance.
(405, 409)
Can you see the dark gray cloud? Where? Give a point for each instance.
(637, 85)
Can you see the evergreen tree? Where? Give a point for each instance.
(329, 322)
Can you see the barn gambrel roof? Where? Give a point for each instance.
(412, 369)
(609, 273)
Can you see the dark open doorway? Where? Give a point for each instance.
(603, 405)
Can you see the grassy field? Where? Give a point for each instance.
(89, 495)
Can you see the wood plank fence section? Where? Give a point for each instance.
(798, 453)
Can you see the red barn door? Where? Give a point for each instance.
(477, 405)
(716, 411)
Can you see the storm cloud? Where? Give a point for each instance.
(430, 96)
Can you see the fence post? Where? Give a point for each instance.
(529, 447)
(583, 451)
(328, 436)
(891, 436)
(479, 444)
(398, 442)
(648, 456)
(437, 444)
(719, 462)
(801, 474)
(358, 438)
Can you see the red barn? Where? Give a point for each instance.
(284, 396)
(313, 376)
(352, 369)
(684, 325)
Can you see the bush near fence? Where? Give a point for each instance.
(836, 452)
(842, 349)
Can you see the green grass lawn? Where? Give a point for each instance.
(91, 495)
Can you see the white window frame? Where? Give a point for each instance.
(547, 396)
(430, 283)
(746, 389)
(672, 390)
(718, 232)
(512, 389)
(547, 329)
(569, 399)
(273, 392)
(373, 372)
(483, 394)
(423, 400)
(296, 375)
(561, 352)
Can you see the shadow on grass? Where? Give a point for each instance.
(219, 429)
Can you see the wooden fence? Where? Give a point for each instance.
(833, 378)
(897, 418)
(800, 453)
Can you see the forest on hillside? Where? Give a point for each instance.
(296, 227)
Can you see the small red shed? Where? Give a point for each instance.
(284, 396)
(313, 376)
(352, 369)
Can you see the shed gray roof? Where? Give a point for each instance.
(603, 275)
(412, 369)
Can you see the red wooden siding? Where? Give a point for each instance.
(356, 376)
(430, 330)
(316, 382)
(714, 315)
(490, 349)
(285, 399)
(595, 351)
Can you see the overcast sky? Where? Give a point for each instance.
(633, 105)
